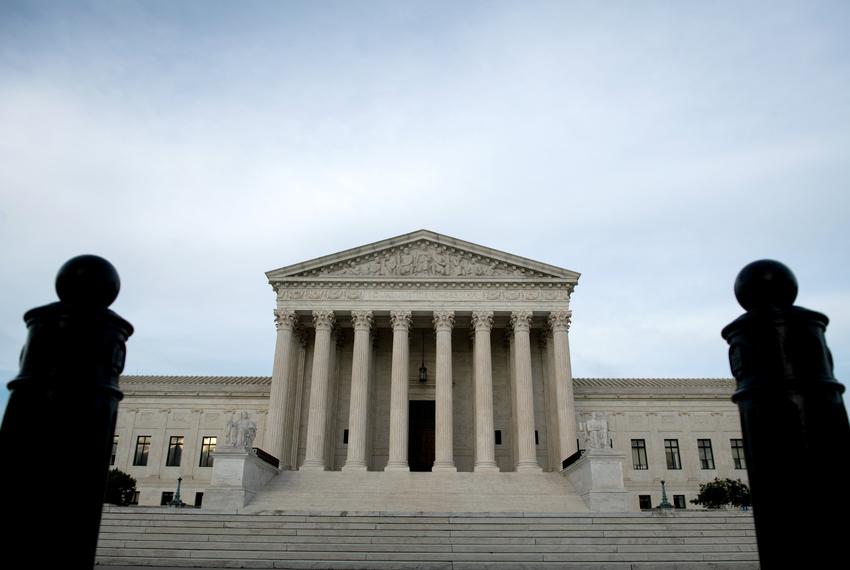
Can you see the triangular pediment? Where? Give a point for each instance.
(422, 255)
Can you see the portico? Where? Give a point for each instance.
(353, 328)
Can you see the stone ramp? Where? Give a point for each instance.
(417, 492)
(189, 538)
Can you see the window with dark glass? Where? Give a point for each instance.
(498, 437)
(536, 437)
(143, 447)
(135, 499)
(207, 449)
(114, 450)
(199, 499)
(706, 455)
(679, 501)
(645, 501)
(738, 453)
(671, 451)
(639, 454)
(175, 451)
(166, 498)
(345, 437)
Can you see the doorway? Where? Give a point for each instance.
(420, 450)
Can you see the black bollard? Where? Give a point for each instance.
(795, 428)
(56, 437)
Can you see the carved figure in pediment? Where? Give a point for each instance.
(405, 262)
(440, 263)
(423, 263)
(373, 267)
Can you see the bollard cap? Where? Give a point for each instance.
(88, 281)
(765, 284)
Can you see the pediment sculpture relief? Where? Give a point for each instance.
(422, 259)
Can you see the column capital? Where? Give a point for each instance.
(324, 319)
(401, 320)
(285, 319)
(362, 320)
(482, 320)
(560, 320)
(521, 320)
(444, 320)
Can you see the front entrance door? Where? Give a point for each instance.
(420, 450)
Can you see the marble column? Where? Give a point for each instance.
(566, 412)
(399, 406)
(485, 441)
(275, 438)
(315, 456)
(444, 444)
(359, 403)
(524, 393)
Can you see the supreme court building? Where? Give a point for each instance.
(429, 373)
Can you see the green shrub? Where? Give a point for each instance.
(721, 493)
(120, 488)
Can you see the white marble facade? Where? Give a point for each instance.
(354, 328)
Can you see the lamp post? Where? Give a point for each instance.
(664, 504)
(175, 501)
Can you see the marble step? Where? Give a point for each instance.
(153, 537)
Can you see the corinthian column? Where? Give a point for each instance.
(444, 450)
(398, 392)
(524, 393)
(357, 414)
(274, 440)
(315, 457)
(485, 450)
(566, 413)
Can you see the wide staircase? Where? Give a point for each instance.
(168, 537)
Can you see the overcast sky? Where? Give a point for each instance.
(655, 147)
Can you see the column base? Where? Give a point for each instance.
(529, 468)
(486, 468)
(446, 467)
(354, 467)
(313, 466)
(397, 467)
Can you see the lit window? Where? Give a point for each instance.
(671, 450)
(639, 454)
(645, 501)
(207, 449)
(114, 450)
(175, 451)
(143, 447)
(738, 453)
(706, 455)
(135, 499)
(679, 501)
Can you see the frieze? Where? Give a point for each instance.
(422, 259)
(322, 294)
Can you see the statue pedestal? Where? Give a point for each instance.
(598, 478)
(237, 476)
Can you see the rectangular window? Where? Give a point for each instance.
(498, 437)
(175, 451)
(135, 499)
(639, 454)
(679, 501)
(645, 501)
(166, 498)
(706, 455)
(345, 437)
(114, 450)
(536, 438)
(671, 450)
(143, 447)
(199, 499)
(738, 453)
(207, 449)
